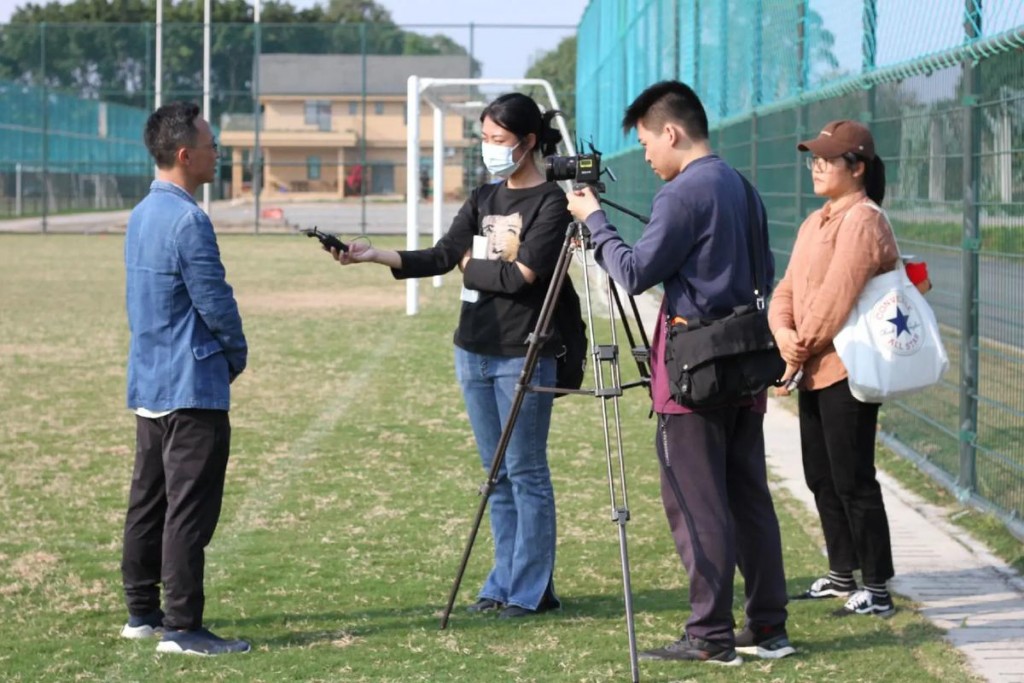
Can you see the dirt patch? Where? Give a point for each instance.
(33, 568)
(29, 350)
(360, 298)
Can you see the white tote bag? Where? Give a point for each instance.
(890, 344)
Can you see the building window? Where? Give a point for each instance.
(318, 113)
(313, 168)
(378, 108)
(353, 108)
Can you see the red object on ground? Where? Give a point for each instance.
(273, 213)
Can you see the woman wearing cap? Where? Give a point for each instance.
(838, 249)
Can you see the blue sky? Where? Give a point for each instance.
(505, 53)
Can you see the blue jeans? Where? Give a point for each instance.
(522, 505)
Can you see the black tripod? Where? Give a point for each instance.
(578, 237)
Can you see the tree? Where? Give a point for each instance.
(558, 67)
(104, 49)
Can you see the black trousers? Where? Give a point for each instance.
(714, 486)
(837, 440)
(173, 508)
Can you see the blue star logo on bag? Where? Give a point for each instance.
(900, 321)
(896, 324)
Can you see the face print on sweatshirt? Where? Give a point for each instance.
(502, 233)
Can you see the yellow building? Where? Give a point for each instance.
(315, 110)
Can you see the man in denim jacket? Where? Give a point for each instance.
(186, 347)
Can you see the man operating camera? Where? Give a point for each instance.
(713, 479)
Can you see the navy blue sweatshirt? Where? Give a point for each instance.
(696, 243)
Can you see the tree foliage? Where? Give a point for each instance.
(558, 67)
(105, 49)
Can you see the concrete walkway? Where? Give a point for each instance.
(957, 583)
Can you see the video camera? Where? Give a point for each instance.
(582, 169)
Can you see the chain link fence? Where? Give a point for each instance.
(323, 103)
(941, 84)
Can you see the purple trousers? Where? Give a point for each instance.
(714, 487)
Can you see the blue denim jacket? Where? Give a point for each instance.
(186, 342)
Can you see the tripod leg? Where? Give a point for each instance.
(627, 591)
(536, 340)
(619, 499)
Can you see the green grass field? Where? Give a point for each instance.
(350, 492)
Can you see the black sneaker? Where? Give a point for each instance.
(866, 602)
(484, 605)
(199, 642)
(767, 642)
(146, 626)
(515, 611)
(690, 649)
(826, 588)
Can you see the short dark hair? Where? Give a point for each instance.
(519, 114)
(170, 128)
(668, 101)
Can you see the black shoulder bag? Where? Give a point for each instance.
(716, 363)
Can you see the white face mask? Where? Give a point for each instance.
(498, 159)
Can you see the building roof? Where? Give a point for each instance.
(303, 74)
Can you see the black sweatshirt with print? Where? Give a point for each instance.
(525, 225)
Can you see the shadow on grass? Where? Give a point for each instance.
(578, 611)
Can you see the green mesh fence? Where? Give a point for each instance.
(941, 84)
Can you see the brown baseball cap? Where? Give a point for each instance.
(841, 137)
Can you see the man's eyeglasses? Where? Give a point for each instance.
(213, 145)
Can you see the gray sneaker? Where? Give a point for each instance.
(200, 642)
(689, 649)
(767, 642)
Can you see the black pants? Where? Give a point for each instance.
(714, 486)
(173, 508)
(837, 439)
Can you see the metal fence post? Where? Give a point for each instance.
(801, 110)
(869, 50)
(756, 88)
(967, 481)
(257, 157)
(364, 174)
(44, 193)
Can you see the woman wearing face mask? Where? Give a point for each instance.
(524, 219)
(838, 249)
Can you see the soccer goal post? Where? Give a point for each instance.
(432, 91)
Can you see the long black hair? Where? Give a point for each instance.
(874, 179)
(874, 176)
(519, 114)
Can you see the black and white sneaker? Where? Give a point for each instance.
(826, 588)
(767, 642)
(866, 602)
(146, 626)
(200, 642)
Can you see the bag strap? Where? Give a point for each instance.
(755, 244)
